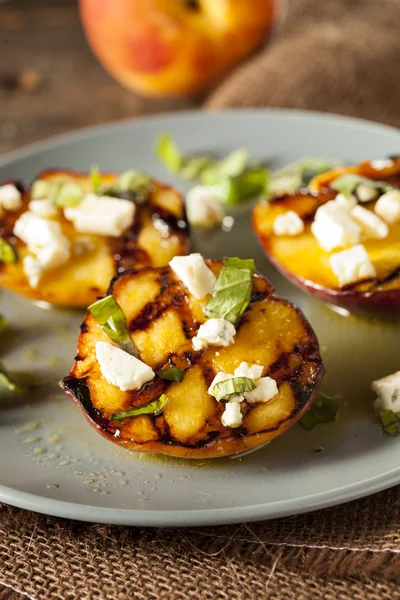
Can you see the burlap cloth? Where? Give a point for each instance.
(334, 55)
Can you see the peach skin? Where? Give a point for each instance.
(174, 47)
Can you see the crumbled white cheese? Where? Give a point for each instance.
(346, 202)
(102, 215)
(10, 197)
(288, 223)
(202, 208)
(53, 255)
(43, 208)
(45, 241)
(121, 369)
(388, 206)
(266, 389)
(371, 225)
(33, 270)
(387, 390)
(220, 376)
(214, 332)
(253, 371)
(366, 193)
(333, 227)
(384, 163)
(352, 265)
(35, 231)
(194, 274)
(232, 415)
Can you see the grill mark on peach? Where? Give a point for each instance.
(127, 247)
(395, 274)
(211, 430)
(165, 301)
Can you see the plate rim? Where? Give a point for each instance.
(93, 130)
(198, 517)
(203, 516)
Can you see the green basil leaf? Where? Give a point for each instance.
(61, 193)
(108, 313)
(236, 190)
(172, 374)
(246, 264)
(323, 410)
(69, 194)
(134, 181)
(95, 178)
(193, 166)
(232, 387)
(8, 253)
(347, 183)
(232, 291)
(286, 184)
(40, 189)
(390, 422)
(20, 383)
(168, 152)
(131, 185)
(232, 165)
(292, 177)
(152, 408)
(3, 323)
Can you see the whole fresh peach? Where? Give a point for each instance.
(173, 47)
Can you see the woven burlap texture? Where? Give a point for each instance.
(58, 559)
(335, 55)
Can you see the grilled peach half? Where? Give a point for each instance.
(162, 318)
(159, 233)
(301, 260)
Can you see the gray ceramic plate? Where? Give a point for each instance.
(53, 462)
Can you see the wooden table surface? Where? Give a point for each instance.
(50, 82)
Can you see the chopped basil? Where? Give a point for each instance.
(152, 408)
(232, 165)
(131, 185)
(232, 291)
(232, 180)
(8, 381)
(69, 194)
(95, 178)
(291, 178)
(323, 410)
(40, 189)
(108, 313)
(169, 153)
(172, 374)
(20, 383)
(390, 422)
(8, 253)
(61, 193)
(347, 183)
(237, 189)
(193, 167)
(232, 387)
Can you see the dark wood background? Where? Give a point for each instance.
(50, 81)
